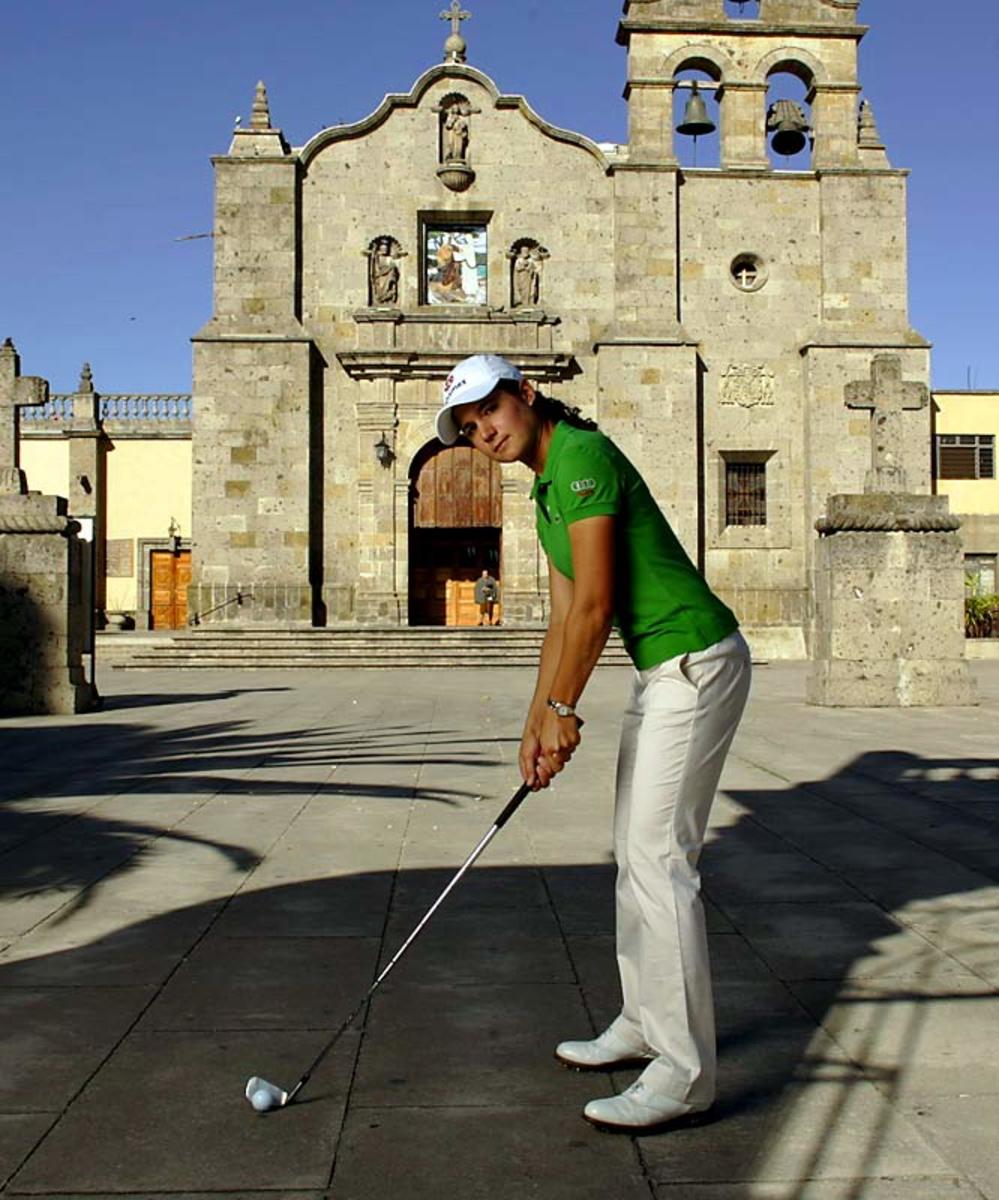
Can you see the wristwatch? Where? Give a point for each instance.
(563, 710)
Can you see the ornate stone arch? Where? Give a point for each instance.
(454, 487)
(795, 61)
(699, 58)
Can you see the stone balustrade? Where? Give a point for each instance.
(167, 412)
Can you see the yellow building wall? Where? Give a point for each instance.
(969, 412)
(148, 485)
(46, 464)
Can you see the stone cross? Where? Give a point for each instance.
(15, 391)
(455, 14)
(887, 396)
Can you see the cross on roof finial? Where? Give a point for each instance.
(456, 14)
(455, 46)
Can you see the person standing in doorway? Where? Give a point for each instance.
(486, 595)
(614, 560)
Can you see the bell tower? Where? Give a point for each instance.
(791, 273)
(741, 45)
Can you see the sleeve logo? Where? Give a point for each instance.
(583, 487)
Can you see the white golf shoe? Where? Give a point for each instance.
(639, 1107)
(610, 1049)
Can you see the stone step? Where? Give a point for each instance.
(278, 648)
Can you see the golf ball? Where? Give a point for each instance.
(262, 1100)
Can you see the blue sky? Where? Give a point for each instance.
(112, 109)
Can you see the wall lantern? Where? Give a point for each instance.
(384, 452)
(174, 534)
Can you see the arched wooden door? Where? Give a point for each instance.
(455, 524)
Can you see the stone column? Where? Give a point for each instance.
(378, 601)
(650, 122)
(88, 447)
(523, 578)
(834, 119)
(743, 126)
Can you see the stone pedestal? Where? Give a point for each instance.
(44, 618)
(888, 628)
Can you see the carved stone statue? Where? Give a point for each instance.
(528, 266)
(523, 278)
(456, 132)
(538, 256)
(383, 271)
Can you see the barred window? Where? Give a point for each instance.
(745, 492)
(966, 456)
(980, 576)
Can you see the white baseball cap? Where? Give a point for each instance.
(472, 379)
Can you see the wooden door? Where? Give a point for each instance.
(461, 606)
(456, 514)
(457, 488)
(170, 575)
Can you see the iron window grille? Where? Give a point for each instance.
(745, 493)
(966, 456)
(980, 575)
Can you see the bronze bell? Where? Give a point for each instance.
(695, 116)
(787, 122)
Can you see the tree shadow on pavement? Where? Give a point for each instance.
(117, 702)
(80, 801)
(849, 933)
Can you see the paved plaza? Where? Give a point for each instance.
(198, 882)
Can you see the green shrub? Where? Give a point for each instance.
(981, 616)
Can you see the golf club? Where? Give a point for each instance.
(264, 1095)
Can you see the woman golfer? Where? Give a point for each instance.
(614, 561)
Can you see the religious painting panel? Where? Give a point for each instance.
(456, 263)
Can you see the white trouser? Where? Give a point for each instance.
(677, 730)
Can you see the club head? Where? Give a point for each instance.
(263, 1095)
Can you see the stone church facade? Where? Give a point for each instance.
(711, 319)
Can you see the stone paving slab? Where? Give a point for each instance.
(168, 1114)
(903, 1188)
(20, 1132)
(482, 1153)
(196, 884)
(471, 1046)
(55, 1039)
(923, 1044)
(962, 1127)
(841, 1129)
(264, 983)
(851, 940)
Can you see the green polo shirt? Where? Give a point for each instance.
(663, 607)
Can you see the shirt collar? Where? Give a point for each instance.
(543, 481)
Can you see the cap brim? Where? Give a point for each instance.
(447, 428)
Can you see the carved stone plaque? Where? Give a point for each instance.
(749, 385)
(120, 558)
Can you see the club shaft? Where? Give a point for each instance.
(518, 798)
